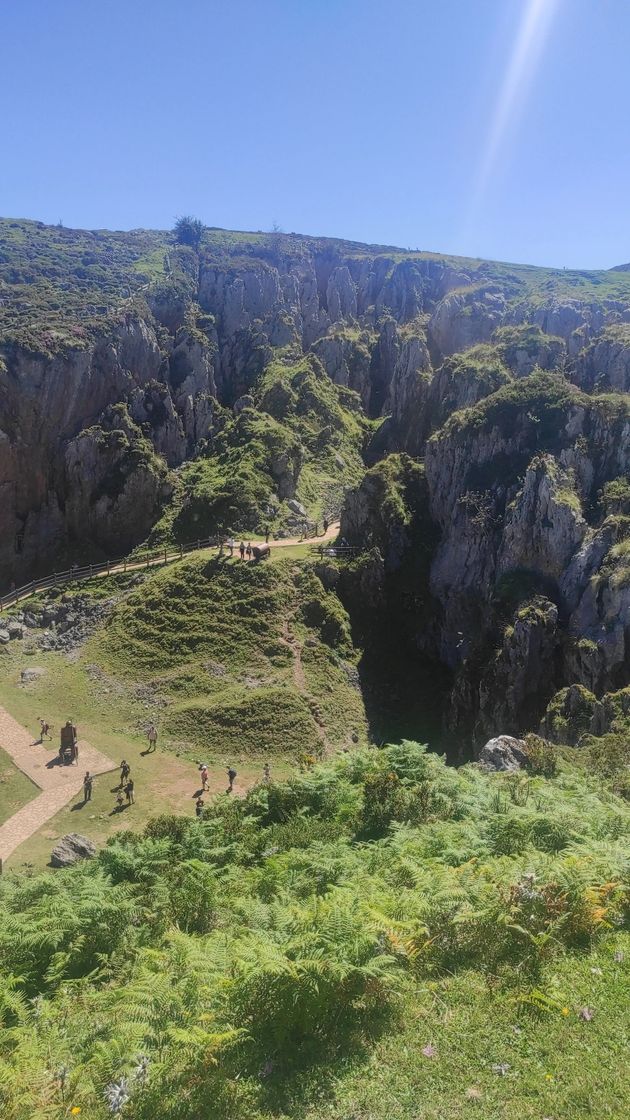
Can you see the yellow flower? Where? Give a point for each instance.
(565, 1010)
(548, 1077)
(75, 1111)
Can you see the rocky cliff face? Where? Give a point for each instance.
(510, 382)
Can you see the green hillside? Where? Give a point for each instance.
(378, 933)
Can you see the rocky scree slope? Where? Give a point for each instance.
(149, 388)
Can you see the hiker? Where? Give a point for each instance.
(87, 787)
(203, 770)
(152, 737)
(44, 730)
(119, 802)
(129, 791)
(231, 545)
(266, 773)
(266, 534)
(241, 549)
(125, 770)
(231, 776)
(199, 807)
(325, 525)
(249, 550)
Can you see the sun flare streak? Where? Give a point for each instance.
(533, 32)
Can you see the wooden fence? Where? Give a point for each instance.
(108, 567)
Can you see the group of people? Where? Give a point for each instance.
(245, 550)
(126, 786)
(69, 752)
(204, 774)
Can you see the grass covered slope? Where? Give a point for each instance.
(49, 274)
(16, 789)
(300, 437)
(381, 937)
(240, 655)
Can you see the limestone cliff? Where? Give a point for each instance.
(149, 388)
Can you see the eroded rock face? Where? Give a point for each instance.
(604, 364)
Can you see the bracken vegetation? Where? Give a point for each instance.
(216, 967)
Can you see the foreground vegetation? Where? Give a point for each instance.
(380, 936)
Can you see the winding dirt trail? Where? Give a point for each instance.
(58, 784)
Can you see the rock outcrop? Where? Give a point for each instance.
(71, 849)
(503, 753)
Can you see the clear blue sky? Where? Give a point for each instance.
(495, 128)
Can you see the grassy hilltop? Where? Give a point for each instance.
(59, 285)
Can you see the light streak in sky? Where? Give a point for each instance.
(531, 38)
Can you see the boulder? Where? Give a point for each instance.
(15, 629)
(503, 753)
(27, 676)
(71, 849)
(5, 637)
(246, 401)
(296, 507)
(261, 551)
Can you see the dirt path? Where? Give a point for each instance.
(299, 679)
(57, 783)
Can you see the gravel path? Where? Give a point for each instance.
(58, 784)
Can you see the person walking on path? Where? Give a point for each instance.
(87, 787)
(152, 737)
(44, 730)
(203, 770)
(241, 549)
(266, 773)
(231, 545)
(231, 773)
(248, 550)
(199, 807)
(129, 791)
(325, 525)
(125, 770)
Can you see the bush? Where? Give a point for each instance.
(542, 756)
(189, 231)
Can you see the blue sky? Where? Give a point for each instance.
(494, 128)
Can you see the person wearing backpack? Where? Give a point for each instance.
(231, 773)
